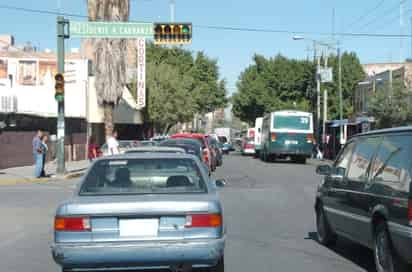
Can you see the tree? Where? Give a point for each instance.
(209, 93)
(110, 58)
(272, 84)
(169, 98)
(391, 107)
(352, 73)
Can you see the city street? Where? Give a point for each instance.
(268, 212)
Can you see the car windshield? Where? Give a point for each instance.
(291, 122)
(222, 139)
(143, 176)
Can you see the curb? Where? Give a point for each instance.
(24, 180)
(74, 175)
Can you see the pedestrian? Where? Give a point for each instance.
(37, 153)
(113, 144)
(92, 149)
(45, 149)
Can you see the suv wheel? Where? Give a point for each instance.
(386, 259)
(325, 235)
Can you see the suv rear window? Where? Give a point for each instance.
(143, 176)
(393, 162)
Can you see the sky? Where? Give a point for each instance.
(234, 49)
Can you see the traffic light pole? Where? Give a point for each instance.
(61, 168)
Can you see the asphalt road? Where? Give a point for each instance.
(268, 211)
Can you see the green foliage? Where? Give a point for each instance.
(272, 84)
(391, 108)
(352, 73)
(281, 83)
(180, 85)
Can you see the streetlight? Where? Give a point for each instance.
(337, 48)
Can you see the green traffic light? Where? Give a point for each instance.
(185, 29)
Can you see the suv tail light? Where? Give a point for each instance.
(309, 138)
(72, 224)
(410, 212)
(203, 221)
(273, 137)
(206, 155)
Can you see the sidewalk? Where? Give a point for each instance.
(25, 174)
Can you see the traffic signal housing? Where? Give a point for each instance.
(172, 33)
(59, 87)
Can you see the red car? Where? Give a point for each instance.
(208, 154)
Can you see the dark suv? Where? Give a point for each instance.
(366, 196)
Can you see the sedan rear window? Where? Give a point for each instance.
(144, 176)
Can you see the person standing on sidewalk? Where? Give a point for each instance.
(45, 149)
(113, 144)
(92, 149)
(37, 153)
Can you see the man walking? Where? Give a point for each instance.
(113, 144)
(37, 154)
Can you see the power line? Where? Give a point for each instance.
(366, 14)
(385, 14)
(41, 11)
(227, 28)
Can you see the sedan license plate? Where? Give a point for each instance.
(291, 142)
(139, 227)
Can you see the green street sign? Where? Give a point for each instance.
(110, 30)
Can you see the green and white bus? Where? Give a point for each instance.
(287, 133)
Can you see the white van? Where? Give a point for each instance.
(258, 135)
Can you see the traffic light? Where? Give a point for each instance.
(59, 87)
(172, 33)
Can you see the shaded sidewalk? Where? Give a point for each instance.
(25, 174)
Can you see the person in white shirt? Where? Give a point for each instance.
(113, 144)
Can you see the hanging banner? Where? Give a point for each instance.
(141, 72)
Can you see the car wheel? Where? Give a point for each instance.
(301, 160)
(220, 267)
(324, 232)
(386, 259)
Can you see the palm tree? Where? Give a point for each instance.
(109, 58)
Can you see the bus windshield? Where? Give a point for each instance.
(291, 122)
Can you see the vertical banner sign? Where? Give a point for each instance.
(141, 72)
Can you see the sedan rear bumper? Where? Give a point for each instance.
(79, 256)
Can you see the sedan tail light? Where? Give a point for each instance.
(273, 137)
(203, 221)
(206, 155)
(72, 224)
(309, 138)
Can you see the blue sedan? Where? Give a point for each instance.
(142, 211)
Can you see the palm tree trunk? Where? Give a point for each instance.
(108, 118)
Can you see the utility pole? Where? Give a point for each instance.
(325, 117)
(401, 30)
(61, 168)
(172, 10)
(317, 95)
(340, 93)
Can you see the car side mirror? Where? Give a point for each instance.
(324, 170)
(220, 183)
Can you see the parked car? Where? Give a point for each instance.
(191, 146)
(214, 144)
(248, 145)
(226, 145)
(155, 149)
(123, 146)
(366, 196)
(148, 143)
(134, 211)
(208, 153)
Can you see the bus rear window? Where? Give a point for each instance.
(291, 122)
